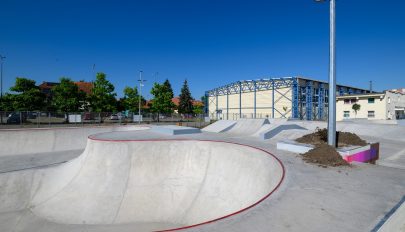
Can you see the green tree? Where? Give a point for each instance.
(102, 98)
(162, 100)
(198, 108)
(168, 87)
(67, 97)
(186, 100)
(6, 103)
(28, 96)
(131, 99)
(356, 108)
(23, 85)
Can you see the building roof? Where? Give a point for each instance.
(401, 90)
(85, 86)
(326, 82)
(46, 86)
(360, 95)
(176, 101)
(245, 86)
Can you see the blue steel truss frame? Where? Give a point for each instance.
(308, 100)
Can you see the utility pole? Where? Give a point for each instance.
(332, 74)
(1, 85)
(140, 95)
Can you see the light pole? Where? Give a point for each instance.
(1, 85)
(1, 75)
(140, 96)
(332, 75)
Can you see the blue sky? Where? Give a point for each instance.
(209, 42)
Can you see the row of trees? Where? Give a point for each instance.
(67, 97)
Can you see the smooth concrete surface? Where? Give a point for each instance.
(311, 198)
(164, 182)
(396, 222)
(42, 140)
(175, 130)
(247, 126)
(11, 163)
(219, 126)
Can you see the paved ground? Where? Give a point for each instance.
(311, 198)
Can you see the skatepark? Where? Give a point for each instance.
(227, 177)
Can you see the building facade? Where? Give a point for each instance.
(388, 105)
(289, 97)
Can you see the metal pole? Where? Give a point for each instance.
(332, 78)
(1, 75)
(140, 94)
(1, 84)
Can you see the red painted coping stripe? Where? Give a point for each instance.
(215, 141)
(70, 127)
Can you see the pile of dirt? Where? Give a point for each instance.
(324, 155)
(320, 136)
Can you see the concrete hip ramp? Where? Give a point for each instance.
(162, 182)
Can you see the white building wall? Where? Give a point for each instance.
(379, 108)
(395, 102)
(264, 104)
(283, 104)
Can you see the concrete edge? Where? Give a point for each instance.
(72, 127)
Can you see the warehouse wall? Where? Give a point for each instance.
(263, 104)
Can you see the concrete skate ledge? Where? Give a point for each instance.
(292, 146)
(175, 130)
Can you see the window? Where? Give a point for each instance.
(371, 100)
(389, 100)
(371, 114)
(349, 101)
(346, 114)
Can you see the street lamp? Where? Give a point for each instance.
(1, 84)
(332, 76)
(1, 75)
(140, 95)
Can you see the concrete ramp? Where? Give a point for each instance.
(276, 130)
(170, 183)
(247, 126)
(219, 126)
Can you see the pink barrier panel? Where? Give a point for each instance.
(367, 156)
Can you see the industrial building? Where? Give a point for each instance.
(389, 105)
(287, 97)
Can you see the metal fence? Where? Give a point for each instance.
(38, 119)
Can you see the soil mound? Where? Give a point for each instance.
(324, 155)
(320, 136)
